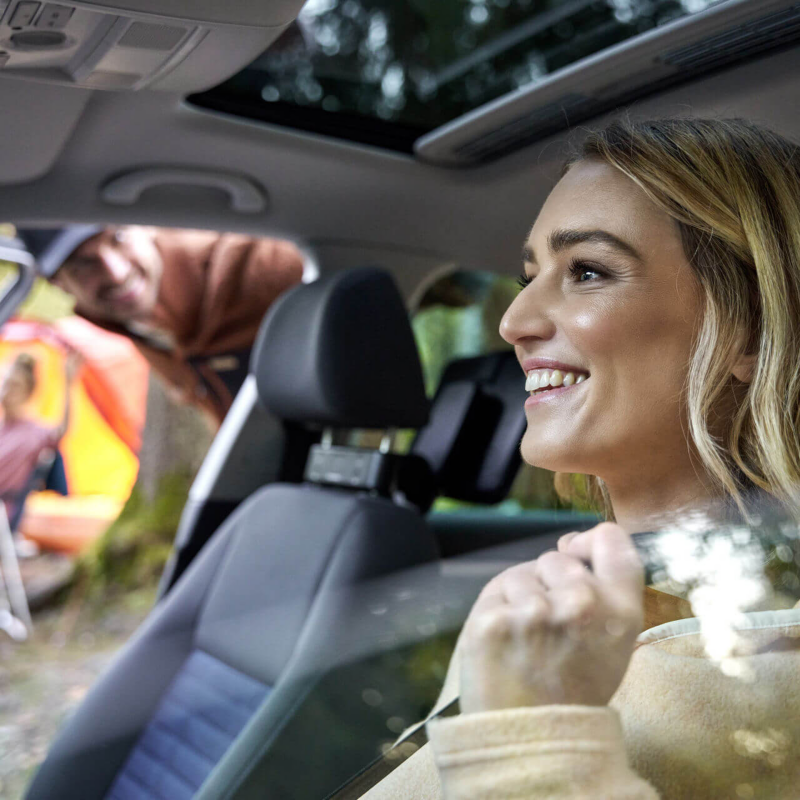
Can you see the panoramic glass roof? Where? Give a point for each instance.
(385, 72)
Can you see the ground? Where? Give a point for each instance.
(43, 679)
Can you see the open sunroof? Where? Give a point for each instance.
(385, 72)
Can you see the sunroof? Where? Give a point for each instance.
(385, 72)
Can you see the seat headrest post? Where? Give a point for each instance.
(387, 441)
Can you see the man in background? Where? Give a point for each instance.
(191, 301)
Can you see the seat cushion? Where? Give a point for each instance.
(201, 713)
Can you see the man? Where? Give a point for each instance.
(191, 301)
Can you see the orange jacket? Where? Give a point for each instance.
(214, 291)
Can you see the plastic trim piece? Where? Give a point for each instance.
(246, 452)
(125, 190)
(13, 251)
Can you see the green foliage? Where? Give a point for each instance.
(423, 63)
(46, 303)
(445, 332)
(132, 553)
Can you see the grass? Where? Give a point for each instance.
(44, 679)
(132, 553)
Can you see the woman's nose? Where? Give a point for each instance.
(528, 317)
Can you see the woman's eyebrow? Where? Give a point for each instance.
(562, 239)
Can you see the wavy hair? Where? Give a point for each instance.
(734, 190)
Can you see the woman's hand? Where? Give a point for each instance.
(553, 632)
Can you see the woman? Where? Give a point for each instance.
(658, 329)
(22, 440)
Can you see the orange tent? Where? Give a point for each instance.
(101, 447)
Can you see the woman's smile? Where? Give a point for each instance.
(547, 379)
(551, 393)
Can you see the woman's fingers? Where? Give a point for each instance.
(563, 542)
(555, 569)
(560, 629)
(581, 545)
(491, 596)
(615, 561)
(520, 584)
(609, 551)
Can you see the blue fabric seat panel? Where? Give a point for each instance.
(203, 710)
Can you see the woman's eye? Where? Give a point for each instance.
(523, 280)
(582, 271)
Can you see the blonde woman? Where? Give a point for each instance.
(658, 328)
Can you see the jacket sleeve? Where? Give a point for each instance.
(544, 753)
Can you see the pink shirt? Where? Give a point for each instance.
(21, 443)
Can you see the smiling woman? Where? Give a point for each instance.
(657, 330)
(611, 298)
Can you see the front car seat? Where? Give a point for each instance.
(271, 602)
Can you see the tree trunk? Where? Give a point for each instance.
(175, 440)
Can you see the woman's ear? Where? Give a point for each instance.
(745, 367)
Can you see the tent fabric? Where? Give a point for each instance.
(101, 446)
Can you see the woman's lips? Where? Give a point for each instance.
(553, 394)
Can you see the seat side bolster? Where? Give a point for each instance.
(93, 744)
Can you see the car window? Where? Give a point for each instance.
(103, 426)
(458, 316)
(386, 72)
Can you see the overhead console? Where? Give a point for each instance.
(172, 45)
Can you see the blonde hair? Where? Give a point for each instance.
(734, 190)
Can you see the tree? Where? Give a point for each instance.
(131, 554)
(175, 440)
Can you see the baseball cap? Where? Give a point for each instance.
(51, 247)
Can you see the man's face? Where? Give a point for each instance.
(114, 275)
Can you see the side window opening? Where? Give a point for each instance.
(459, 316)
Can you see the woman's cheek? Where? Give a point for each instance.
(600, 333)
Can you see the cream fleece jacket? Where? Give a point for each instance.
(680, 727)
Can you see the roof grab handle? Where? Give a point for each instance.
(246, 197)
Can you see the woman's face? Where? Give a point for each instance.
(612, 305)
(15, 390)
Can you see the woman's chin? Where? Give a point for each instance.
(555, 457)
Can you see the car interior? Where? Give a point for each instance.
(308, 567)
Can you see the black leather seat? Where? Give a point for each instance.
(477, 420)
(279, 597)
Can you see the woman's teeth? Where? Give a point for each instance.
(543, 379)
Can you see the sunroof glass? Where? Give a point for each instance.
(385, 72)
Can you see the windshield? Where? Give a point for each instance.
(385, 72)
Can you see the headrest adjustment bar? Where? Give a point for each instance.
(327, 438)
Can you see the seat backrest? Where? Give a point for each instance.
(477, 421)
(278, 599)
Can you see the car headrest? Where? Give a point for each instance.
(340, 352)
(477, 421)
